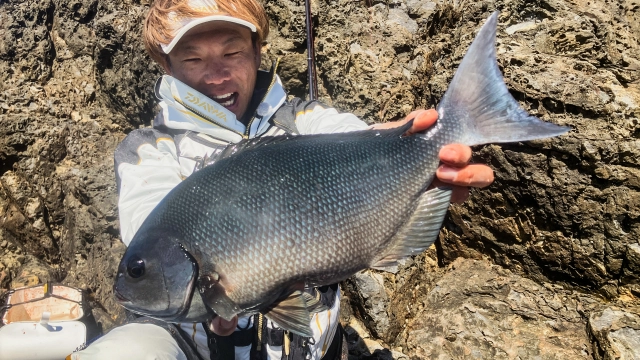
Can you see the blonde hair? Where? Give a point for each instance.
(158, 24)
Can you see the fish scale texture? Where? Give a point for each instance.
(309, 209)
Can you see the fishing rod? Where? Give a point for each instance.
(311, 63)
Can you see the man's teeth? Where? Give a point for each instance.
(220, 97)
(227, 103)
(228, 97)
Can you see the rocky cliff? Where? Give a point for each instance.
(543, 264)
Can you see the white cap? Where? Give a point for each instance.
(182, 25)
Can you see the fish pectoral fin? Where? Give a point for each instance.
(291, 314)
(421, 230)
(215, 297)
(314, 303)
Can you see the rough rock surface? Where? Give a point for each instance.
(565, 208)
(616, 333)
(482, 311)
(563, 212)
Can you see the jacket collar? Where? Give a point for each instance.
(184, 108)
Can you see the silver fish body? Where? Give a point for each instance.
(275, 215)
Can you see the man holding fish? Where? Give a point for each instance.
(214, 95)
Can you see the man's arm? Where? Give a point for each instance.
(147, 168)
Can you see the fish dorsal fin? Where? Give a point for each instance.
(291, 139)
(314, 303)
(215, 297)
(421, 230)
(479, 102)
(291, 314)
(243, 145)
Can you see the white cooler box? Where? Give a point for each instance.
(42, 323)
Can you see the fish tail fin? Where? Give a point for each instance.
(478, 108)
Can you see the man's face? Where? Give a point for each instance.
(220, 62)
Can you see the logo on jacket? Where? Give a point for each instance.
(206, 106)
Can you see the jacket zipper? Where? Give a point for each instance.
(274, 67)
(204, 117)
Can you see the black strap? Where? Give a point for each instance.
(220, 347)
(274, 337)
(300, 347)
(334, 352)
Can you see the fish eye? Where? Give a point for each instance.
(135, 268)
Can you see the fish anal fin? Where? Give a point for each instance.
(314, 303)
(215, 297)
(421, 229)
(291, 314)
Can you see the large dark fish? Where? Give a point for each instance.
(274, 215)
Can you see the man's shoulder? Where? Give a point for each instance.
(297, 103)
(293, 109)
(141, 136)
(127, 150)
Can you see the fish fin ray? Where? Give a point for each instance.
(479, 99)
(253, 143)
(215, 297)
(289, 139)
(291, 314)
(421, 230)
(314, 304)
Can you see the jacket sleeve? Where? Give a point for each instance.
(316, 118)
(133, 341)
(147, 168)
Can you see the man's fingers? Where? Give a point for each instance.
(422, 120)
(456, 155)
(388, 125)
(222, 327)
(475, 175)
(459, 194)
(413, 114)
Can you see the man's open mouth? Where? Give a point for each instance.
(226, 100)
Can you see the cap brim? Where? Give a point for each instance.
(199, 21)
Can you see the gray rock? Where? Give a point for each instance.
(564, 208)
(399, 18)
(524, 26)
(478, 310)
(631, 269)
(369, 293)
(421, 8)
(616, 333)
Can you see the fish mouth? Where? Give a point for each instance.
(121, 299)
(177, 316)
